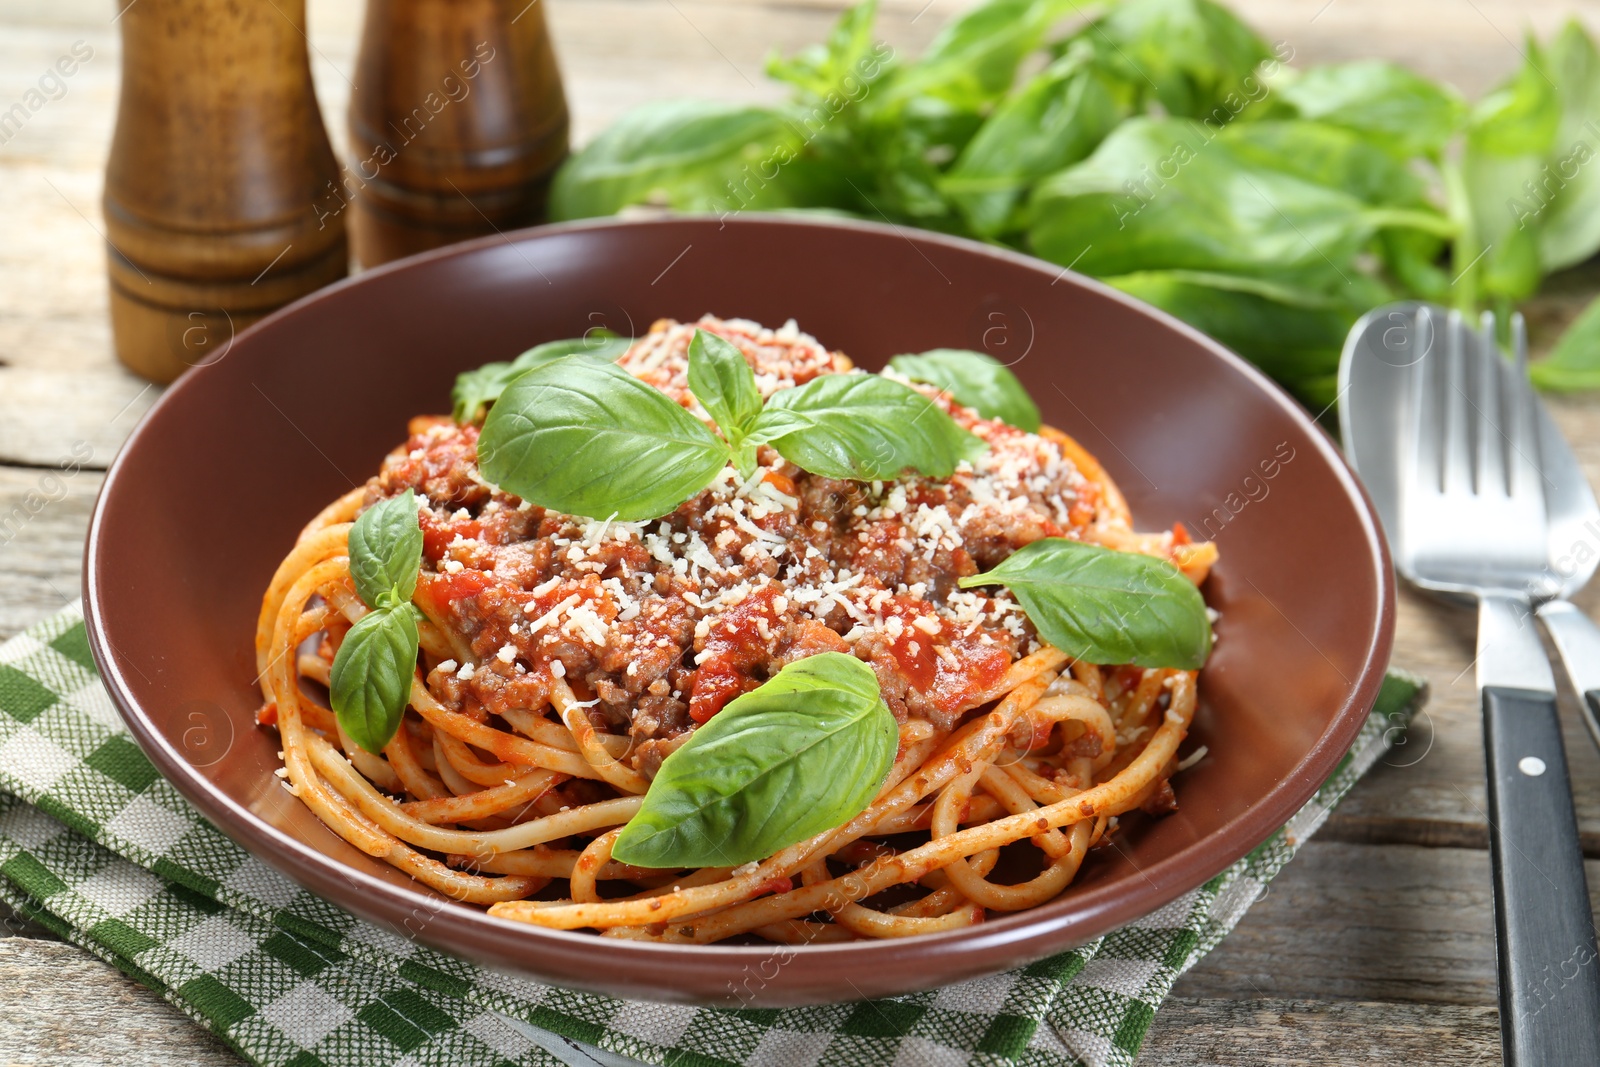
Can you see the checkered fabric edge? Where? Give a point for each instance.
(99, 848)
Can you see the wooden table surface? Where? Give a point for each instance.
(1376, 944)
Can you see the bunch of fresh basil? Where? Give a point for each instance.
(1167, 149)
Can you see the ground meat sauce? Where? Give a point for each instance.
(661, 623)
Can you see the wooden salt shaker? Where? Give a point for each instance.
(457, 123)
(218, 157)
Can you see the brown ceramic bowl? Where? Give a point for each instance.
(212, 488)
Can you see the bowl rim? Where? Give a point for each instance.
(470, 932)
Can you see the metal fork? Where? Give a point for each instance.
(1472, 523)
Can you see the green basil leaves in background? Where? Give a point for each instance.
(591, 439)
(372, 671)
(1189, 56)
(802, 754)
(476, 389)
(867, 427)
(844, 60)
(1574, 363)
(1222, 212)
(973, 60)
(588, 438)
(1104, 606)
(976, 380)
(1570, 224)
(1171, 147)
(677, 154)
(1508, 135)
(1052, 121)
(1384, 102)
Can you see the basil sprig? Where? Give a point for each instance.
(976, 380)
(476, 389)
(723, 382)
(804, 753)
(1104, 606)
(587, 438)
(372, 671)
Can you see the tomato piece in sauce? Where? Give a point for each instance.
(733, 648)
(436, 536)
(967, 670)
(438, 592)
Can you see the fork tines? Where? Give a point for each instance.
(1476, 429)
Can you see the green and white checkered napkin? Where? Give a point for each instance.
(96, 846)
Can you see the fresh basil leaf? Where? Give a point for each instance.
(386, 551)
(1521, 115)
(1055, 119)
(802, 754)
(1191, 56)
(1384, 102)
(1330, 156)
(1163, 194)
(1416, 261)
(775, 422)
(1342, 159)
(372, 672)
(902, 152)
(590, 439)
(1568, 202)
(973, 60)
(1574, 363)
(976, 380)
(1509, 136)
(866, 427)
(844, 66)
(721, 379)
(1105, 606)
(681, 154)
(476, 389)
(745, 458)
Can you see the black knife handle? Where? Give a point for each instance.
(1544, 929)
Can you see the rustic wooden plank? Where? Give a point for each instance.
(68, 124)
(64, 1008)
(1431, 790)
(1365, 922)
(1281, 1033)
(58, 382)
(43, 517)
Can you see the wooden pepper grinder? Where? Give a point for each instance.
(218, 158)
(457, 123)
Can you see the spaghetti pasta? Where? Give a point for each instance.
(562, 660)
